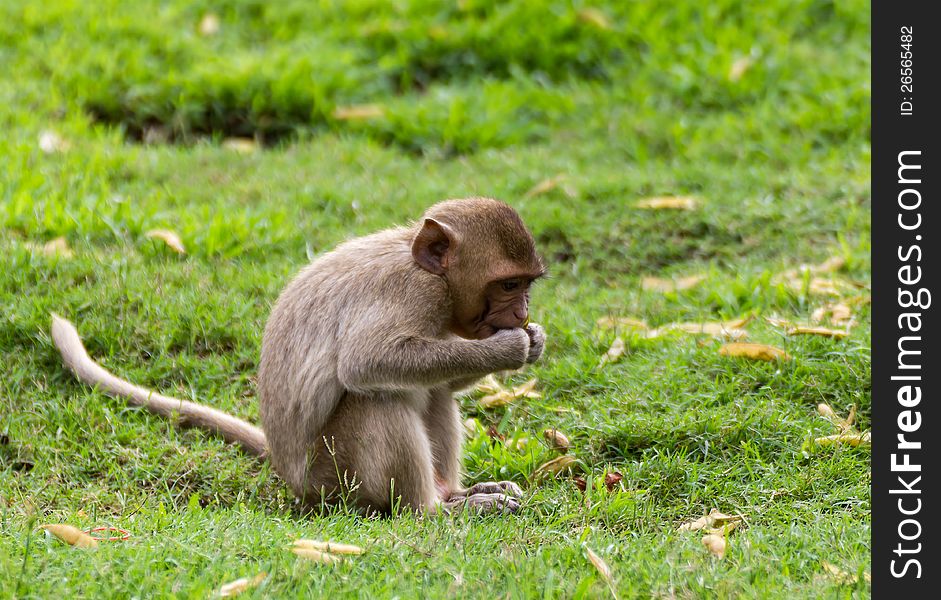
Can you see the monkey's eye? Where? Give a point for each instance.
(509, 286)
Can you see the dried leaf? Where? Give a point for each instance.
(658, 284)
(739, 67)
(614, 352)
(836, 313)
(240, 585)
(209, 25)
(359, 112)
(668, 203)
(73, 536)
(724, 529)
(526, 390)
(501, 398)
(753, 351)
(331, 547)
(621, 323)
(57, 247)
(725, 329)
(51, 142)
(547, 185)
(316, 555)
(580, 483)
(594, 17)
(849, 438)
(471, 426)
(842, 577)
(241, 145)
(713, 519)
(821, 331)
(824, 410)
(603, 569)
(612, 479)
(489, 385)
(715, 544)
(170, 238)
(554, 466)
(557, 440)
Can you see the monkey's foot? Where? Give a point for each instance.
(495, 487)
(483, 503)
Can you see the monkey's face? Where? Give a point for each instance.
(499, 304)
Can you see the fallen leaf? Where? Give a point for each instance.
(494, 434)
(612, 479)
(821, 331)
(209, 25)
(580, 483)
(554, 466)
(668, 203)
(557, 440)
(547, 185)
(621, 322)
(848, 438)
(739, 67)
(594, 17)
(170, 238)
(51, 142)
(241, 145)
(824, 410)
(505, 396)
(471, 426)
(358, 112)
(238, 586)
(658, 284)
(726, 329)
(713, 519)
(603, 569)
(331, 547)
(836, 313)
(57, 247)
(723, 530)
(489, 385)
(842, 577)
(73, 536)
(526, 390)
(316, 555)
(715, 544)
(753, 351)
(614, 352)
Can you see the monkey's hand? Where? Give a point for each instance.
(483, 503)
(513, 344)
(537, 341)
(494, 487)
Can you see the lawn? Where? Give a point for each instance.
(268, 135)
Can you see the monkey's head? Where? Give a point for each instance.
(484, 251)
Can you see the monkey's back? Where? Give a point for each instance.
(298, 385)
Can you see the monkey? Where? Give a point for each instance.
(362, 354)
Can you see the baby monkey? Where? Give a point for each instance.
(362, 354)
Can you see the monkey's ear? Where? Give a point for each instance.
(433, 245)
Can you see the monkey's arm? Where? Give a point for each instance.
(74, 355)
(411, 361)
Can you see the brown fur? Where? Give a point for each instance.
(359, 359)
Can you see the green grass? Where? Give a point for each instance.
(478, 98)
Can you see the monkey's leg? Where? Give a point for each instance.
(378, 440)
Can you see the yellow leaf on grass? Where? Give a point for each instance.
(489, 385)
(836, 313)
(658, 284)
(840, 576)
(526, 390)
(557, 440)
(57, 247)
(358, 112)
(331, 547)
(621, 323)
(316, 556)
(603, 569)
(850, 438)
(594, 17)
(505, 396)
(209, 25)
(241, 145)
(713, 519)
(554, 466)
(238, 586)
(614, 352)
(73, 536)
(547, 185)
(725, 329)
(753, 351)
(821, 331)
(739, 68)
(170, 238)
(668, 203)
(715, 544)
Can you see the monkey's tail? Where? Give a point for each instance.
(233, 430)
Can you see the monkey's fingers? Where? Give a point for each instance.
(496, 487)
(484, 503)
(537, 341)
